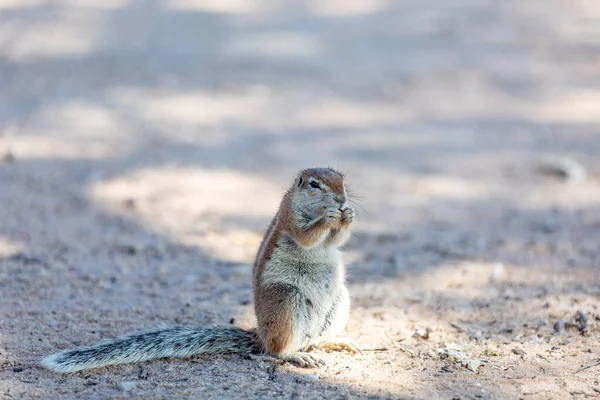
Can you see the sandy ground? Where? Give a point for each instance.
(146, 144)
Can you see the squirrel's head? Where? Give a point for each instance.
(316, 188)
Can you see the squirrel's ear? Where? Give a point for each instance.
(300, 181)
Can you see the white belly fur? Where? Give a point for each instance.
(319, 275)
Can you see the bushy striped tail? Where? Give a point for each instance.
(176, 342)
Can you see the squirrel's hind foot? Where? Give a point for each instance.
(302, 359)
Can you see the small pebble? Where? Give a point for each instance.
(52, 322)
(519, 352)
(421, 333)
(17, 369)
(583, 322)
(566, 169)
(472, 365)
(559, 327)
(132, 249)
(143, 374)
(126, 386)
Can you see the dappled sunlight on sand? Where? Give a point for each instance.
(65, 34)
(36, 148)
(222, 211)
(199, 109)
(341, 8)
(79, 121)
(9, 247)
(219, 6)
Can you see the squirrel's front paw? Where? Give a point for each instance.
(347, 215)
(333, 216)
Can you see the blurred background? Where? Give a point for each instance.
(145, 145)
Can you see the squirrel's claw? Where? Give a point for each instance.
(303, 360)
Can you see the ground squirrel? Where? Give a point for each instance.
(300, 298)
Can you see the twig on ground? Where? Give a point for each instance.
(379, 349)
(597, 363)
(458, 327)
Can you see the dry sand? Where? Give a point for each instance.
(146, 144)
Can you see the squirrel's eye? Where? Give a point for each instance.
(315, 184)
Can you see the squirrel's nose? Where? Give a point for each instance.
(341, 200)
